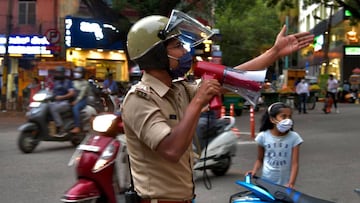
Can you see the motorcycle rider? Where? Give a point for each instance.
(81, 87)
(110, 85)
(64, 93)
(160, 115)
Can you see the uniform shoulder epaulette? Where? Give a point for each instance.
(142, 91)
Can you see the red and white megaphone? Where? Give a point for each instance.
(245, 83)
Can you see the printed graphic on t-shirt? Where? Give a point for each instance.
(277, 154)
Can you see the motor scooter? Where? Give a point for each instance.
(96, 160)
(217, 153)
(263, 191)
(113, 102)
(351, 97)
(40, 126)
(99, 98)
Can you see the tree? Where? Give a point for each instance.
(245, 32)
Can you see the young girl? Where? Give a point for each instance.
(278, 146)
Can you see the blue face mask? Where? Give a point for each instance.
(184, 66)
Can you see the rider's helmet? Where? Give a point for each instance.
(79, 72)
(145, 42)
(59, 73)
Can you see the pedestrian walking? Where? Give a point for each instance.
(331, 92)
(302, 90)
(278, 146)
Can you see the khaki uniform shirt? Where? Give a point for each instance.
(150, 110)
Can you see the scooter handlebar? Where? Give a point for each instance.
(231, 122)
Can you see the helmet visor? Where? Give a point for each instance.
(192, 31)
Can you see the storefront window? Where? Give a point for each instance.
(333, 68)
(102, 67)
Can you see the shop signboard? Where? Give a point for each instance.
(25, 44)
(91, 34)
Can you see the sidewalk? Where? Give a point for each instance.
(11, 114)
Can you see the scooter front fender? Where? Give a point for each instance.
(28, 127)
(82, 190)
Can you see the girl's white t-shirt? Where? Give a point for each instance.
(277, 155)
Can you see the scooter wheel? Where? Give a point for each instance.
(77, 139)
(221, 170)
(26, 142)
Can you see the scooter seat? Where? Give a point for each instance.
(216, 129)
(286, 194)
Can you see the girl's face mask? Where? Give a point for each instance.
(284, 125)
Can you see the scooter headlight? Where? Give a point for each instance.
(102, 123)
(39, 97)
(107, 157)
(34, 104)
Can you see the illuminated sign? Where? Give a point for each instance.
(90, 33)
(352, 51)
(25, 44)
(347, 13)
(318, 42)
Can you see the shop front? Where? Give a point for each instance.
(23, 53)
(336, 49)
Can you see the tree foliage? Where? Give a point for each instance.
(245, 31)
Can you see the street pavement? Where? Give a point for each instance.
(329, 160)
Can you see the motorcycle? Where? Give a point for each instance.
(351, 97)
(99, 98)
(96, 159)
(263, 191)
(40, 127)
(219, 147)
(114, 102)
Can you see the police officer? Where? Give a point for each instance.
(161, 114)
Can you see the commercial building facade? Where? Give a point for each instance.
(336, 49)
(33, 37)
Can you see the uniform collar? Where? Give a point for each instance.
(160, 88)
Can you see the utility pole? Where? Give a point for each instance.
(7, 64)
(327, 42)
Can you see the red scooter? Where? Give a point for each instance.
(95, 160)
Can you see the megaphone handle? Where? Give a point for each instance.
(215, 102)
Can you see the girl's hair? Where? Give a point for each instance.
(272, 111)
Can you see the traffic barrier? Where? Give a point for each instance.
(252, 122)
(232, 110)
(222, 112)
(236, 132)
